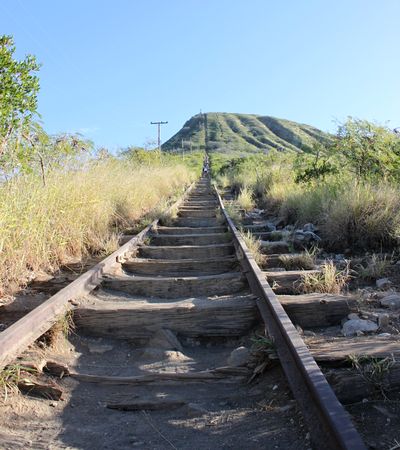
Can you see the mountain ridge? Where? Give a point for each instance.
(243, 133)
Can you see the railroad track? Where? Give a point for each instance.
(160, 326)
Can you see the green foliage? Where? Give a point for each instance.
(369, 150)
(365, 150)
(19, 87)
(315, 165)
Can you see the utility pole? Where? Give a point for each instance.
(159, 132)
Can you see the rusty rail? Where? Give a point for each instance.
(329, 423)
(18, 336)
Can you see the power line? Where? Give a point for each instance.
(159, 132)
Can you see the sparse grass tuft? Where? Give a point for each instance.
(245, 199)
(329, 281)
(62, 328)
(374, 370)
(254, 245)
(303, 261)
(9, 378)
(374, 268)
(223, 181)
(234, 213)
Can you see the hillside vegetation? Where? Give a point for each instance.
(348, 188)
(243, 134)
(59, 197)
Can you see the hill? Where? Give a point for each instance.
(243, 133)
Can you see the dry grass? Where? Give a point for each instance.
(233, 212)
(9, 378)
(61, 329)
(374, 268)
(329, 281)
(302, 261)
(351, 215)
(245, 199)
(77, 213)
(254, 245)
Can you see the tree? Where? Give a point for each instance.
(19, 87)
(368, 150)
(315, 165)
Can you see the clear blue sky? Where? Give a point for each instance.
(111, 67)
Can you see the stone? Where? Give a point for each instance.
(301, 237)
(354, 326)
(176, 356)
(309, 333)
(165, 339)
(383, 283)
(391, 301)
(353, 316)
(239, 357)
(309, 227)
(383, 320)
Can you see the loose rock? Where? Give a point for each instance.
(383, 283)
(353, 316)
(391, 301)
(354, 326)
(239, 357)
(309, 227)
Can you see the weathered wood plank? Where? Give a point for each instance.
(339, 349)
(190, 239)
(287, 282)
(317, 310)
(175, 287)
(187, 251)
(196, 222)
(189, 230)
(220, 316)
(174, 267)
(194, 213)
(219, 373)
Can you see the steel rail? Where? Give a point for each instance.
(329, 423)
(18, 336)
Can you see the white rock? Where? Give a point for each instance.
(353, 316)
(239, 357)
(354, 326)
(309, 227)
(391, 301)
(383, 283)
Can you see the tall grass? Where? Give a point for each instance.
(245, 199)
(363, 215)
(76, 213)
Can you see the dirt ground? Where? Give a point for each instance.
(214, 415)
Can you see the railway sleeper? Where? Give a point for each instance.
(186, 251)
(180, 267)
(109, 315)
(190, 239)
(175, 287)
